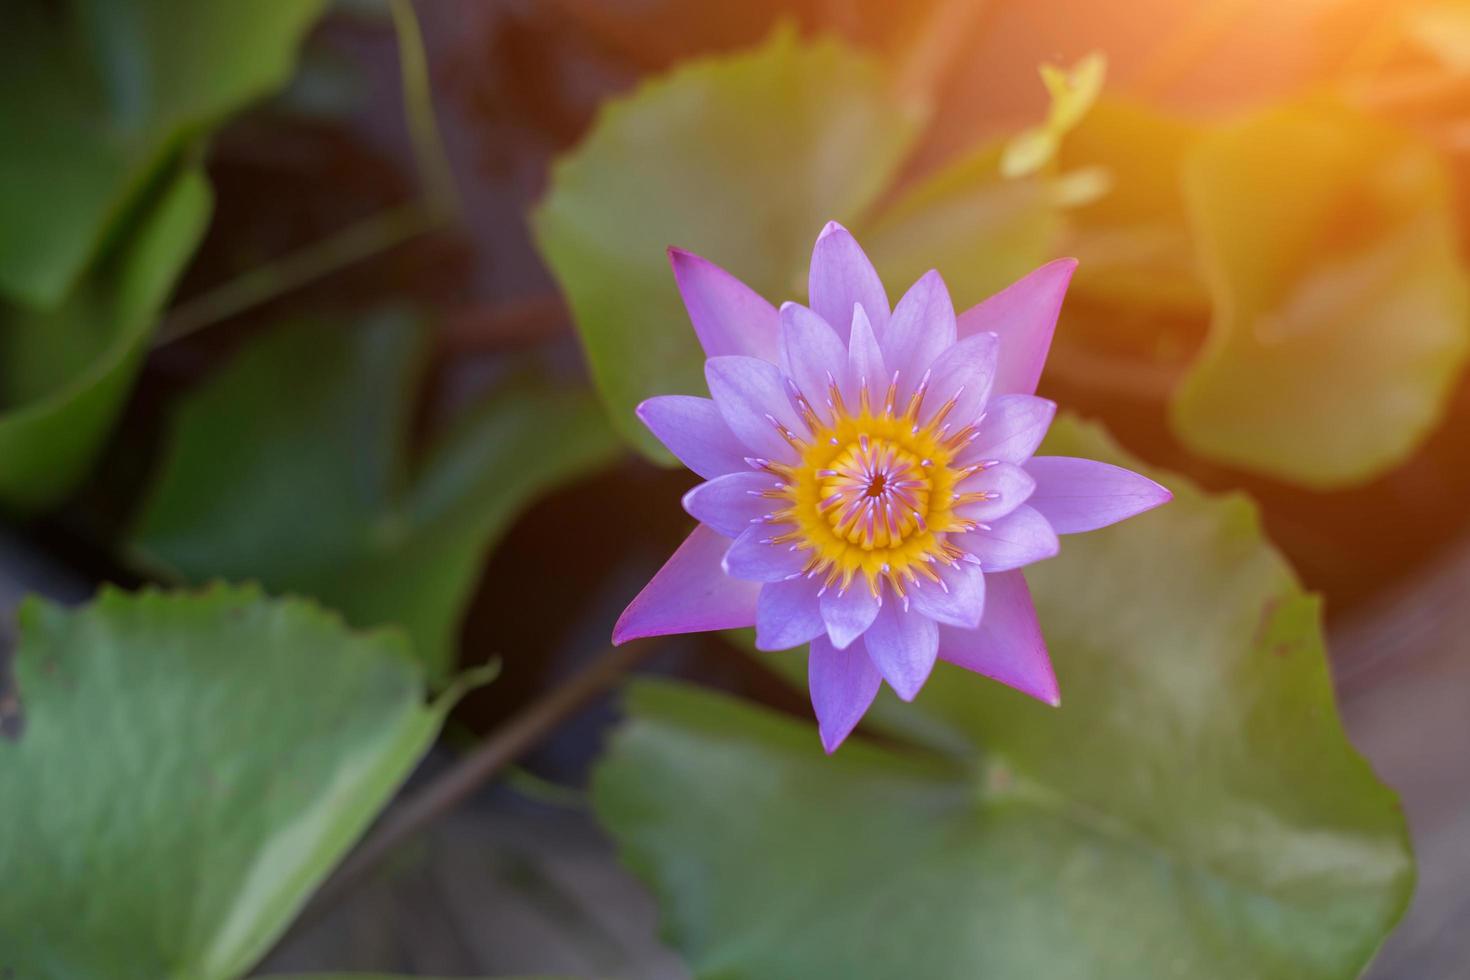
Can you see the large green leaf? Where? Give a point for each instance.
(741, 159)
(1133, 243)
(64, 374)
(290, 467)
(991, 215)
(1342, 316)
(981, 230)
(95, 96)
(190, 767)
(1193, 809)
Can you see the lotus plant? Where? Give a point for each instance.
(871, 487)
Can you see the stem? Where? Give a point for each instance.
(356, 242)
(503, 746)
(266, 282)
(418, 107)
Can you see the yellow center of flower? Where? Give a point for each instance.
(875, 490)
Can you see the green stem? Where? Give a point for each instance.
(357, 242)
(264, 283)
(418, 106)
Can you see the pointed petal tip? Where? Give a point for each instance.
(832, 228)
(622, 631)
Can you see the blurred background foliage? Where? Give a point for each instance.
(357, 308)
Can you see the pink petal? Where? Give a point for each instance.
(864, 361)
(787, 615)
(922, 327)
(848, 613)
(965, 373)
(690, 594)
(1083, 495)
(752, 399)
(811, 354)
(1014, 426)
(731, 503)
(751, 558)
(728, 316)
(843, 684)
(1008, 646)
(960, 602)
(1024, 316)
(1020, 538)
(903, 646)
(695, 432)
(1009, 485)
(840, 276)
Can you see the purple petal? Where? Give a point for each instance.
(787, 615)
(961, 600)
(1024, 316)
(728, 316)
(843, 683)
(1008, 646)
(1008, 485)
(922, 327)
(965, 373)
(903, 646)
(1021, 537)
(752, 399)
(695, 432)
(731, 503)
(1083, 495)
(1014, 426)
(849, 612)
(840, 276)
(864, 361)
(690, 594)
(811, 354)
(752, 557)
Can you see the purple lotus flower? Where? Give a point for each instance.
(871, 487)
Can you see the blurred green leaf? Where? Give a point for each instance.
(1073, 92)
(1133, 243)
(741, 159)
(190, 768)
(290, 467)
(1193, 808)
(1341, 309)
(65, 374)
(97, 96)
(981, 231)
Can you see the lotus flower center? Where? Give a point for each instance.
(875, 493)
(873, 496)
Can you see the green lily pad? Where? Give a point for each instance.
(993, 214)
(1193, 808)
(1133, 243)
(190, 768)
(96, 97)
(1342, 310)
(64, 374)
(981, 230)
(741, 159)
(289, 467)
